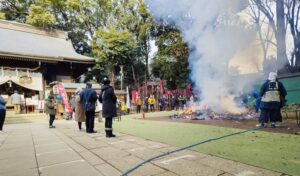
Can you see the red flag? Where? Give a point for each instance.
(134, 95)
(161, 87)
(62, 93)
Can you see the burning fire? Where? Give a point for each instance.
(229, 111)
(229, 106)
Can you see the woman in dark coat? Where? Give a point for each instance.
(272, 99)
(51, 110)
(2, 112)
(109, 110)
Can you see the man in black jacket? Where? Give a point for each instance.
(88, 98)
(109, 110)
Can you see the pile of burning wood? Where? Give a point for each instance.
(196, 113)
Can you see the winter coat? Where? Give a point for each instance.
(16, 99)
(151, 101)
(270, 100)
(2, 103)
(173, 101)
(87, 96)
(146, 102)
(139, 102)
(79, 111)
(50, 107)
(108, 99)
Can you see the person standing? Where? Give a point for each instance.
(2, 112)
(151, 102)
(273, 96)
(164, 102)
(88, 98)
(16, 101)
(98, 111)
(60, 106)
(173, 102)
(180, 100)
(255, 95)
(73, 104)
(146, 104)
(138, 104)
(79, 111)
(109, 109)
(51, 110)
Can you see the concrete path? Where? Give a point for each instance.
(32, 149)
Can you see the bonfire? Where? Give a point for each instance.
(196, 112)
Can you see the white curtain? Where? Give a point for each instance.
(36, 82)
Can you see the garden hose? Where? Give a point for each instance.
(184, 148)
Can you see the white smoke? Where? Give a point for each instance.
(215, 33)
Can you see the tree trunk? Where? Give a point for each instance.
(146, 70)
(112, 83)
(297, 51)
(134, 78)
(280, 35)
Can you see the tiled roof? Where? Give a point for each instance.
(21, 40)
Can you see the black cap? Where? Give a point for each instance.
(105, 81)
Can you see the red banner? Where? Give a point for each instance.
(169, 93)
(134, 95)
(161, 87)
(62, 93)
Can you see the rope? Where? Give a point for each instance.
(183, 148)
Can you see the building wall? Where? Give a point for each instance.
(292, 86)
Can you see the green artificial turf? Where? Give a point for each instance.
(273, 151)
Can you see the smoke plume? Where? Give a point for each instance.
(215, 32)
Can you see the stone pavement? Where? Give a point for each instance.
(32, 149)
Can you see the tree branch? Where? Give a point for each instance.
(297, 19)
(266, 10)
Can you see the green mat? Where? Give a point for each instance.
(273, 151)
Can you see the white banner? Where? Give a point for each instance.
(29, 80)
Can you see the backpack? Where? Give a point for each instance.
(89, 106)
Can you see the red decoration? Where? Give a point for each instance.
(62, 93)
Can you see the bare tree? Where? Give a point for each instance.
(292, 17)
(278, 27)
(260, 21)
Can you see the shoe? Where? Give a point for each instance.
(94, 131)
(1, 131)
(260, 125)
(107, 133)
(111, 134)
(51, 126)
(273, 125)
